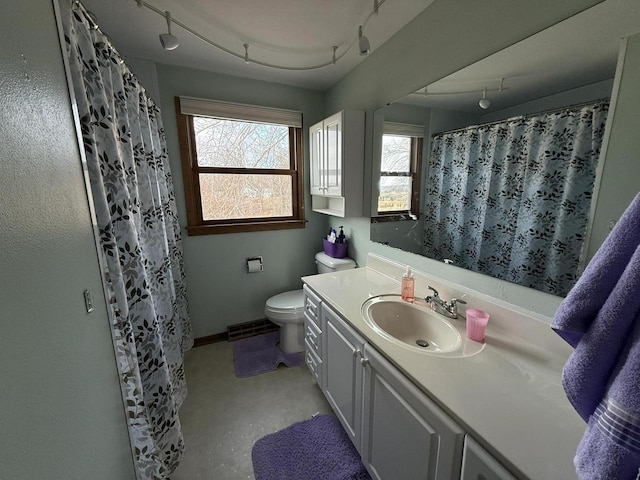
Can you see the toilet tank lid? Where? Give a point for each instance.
(335, 263)
(291, 300)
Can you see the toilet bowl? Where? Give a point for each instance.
(287, 309)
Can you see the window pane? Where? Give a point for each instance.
(226, 197)
(395, 194)
(236, 144)
(396, 154)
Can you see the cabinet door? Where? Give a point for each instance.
(343, 372)
(405, 434)
(333, 127)
(317, 182)
(478, 464)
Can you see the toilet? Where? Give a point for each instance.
(287, 309)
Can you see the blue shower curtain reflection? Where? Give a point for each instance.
(512, 199)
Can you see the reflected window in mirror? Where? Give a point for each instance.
(400, 167)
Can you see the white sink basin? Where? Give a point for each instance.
(411, 325)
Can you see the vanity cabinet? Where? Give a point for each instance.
(398, 430)
(343, 372)
(478, 464)
(337, 164)
(405, 434)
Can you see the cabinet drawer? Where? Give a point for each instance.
(312, 306)
(313, 362)
(313, 335)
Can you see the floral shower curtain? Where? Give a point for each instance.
(137, 220)
(512, 199)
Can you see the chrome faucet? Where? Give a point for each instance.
(448, 309)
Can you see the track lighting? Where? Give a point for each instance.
(168, 41)
(363, 43)
(484, 101)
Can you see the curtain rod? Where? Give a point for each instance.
(528, 115)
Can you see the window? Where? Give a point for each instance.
(241, 165)
(400, 167)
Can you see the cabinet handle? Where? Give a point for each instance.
(357, 352)
(364, 361)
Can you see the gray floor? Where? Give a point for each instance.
(223, 416)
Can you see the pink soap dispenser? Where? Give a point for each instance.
(408, 283)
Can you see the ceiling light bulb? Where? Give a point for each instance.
(484, 102)
(363, 42)
(168, 41)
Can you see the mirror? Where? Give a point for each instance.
(556, 68)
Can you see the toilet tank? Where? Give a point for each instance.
(327, 264)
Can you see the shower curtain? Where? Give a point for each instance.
(136, 215)
(512, 199)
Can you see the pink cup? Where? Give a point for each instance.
(476, 324)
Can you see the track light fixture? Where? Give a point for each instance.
(168, 41)
(484, 101)
(363, 43)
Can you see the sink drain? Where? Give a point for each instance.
(422, 343)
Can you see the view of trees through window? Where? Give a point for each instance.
(234, 150)
(395, 174)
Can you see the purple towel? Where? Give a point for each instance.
(600, 318)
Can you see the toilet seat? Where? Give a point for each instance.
(288, 304)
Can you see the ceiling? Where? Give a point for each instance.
(299, 33)
(576, 52)
(288, 33)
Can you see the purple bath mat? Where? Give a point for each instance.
(260, 354)
(315, 449)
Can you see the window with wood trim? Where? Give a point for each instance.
(400, 170)
(241, 165)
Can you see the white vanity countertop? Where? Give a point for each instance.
(509, 396)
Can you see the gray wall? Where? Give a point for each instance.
(221, 292)
(61, 412)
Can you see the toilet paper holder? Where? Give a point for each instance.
(254, 265)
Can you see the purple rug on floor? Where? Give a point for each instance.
(260, 354)
(315, 449)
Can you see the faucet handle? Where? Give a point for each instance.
(435, 292)
(454, 301)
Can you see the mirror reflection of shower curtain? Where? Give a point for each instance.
(511, 199)
(140, 242)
